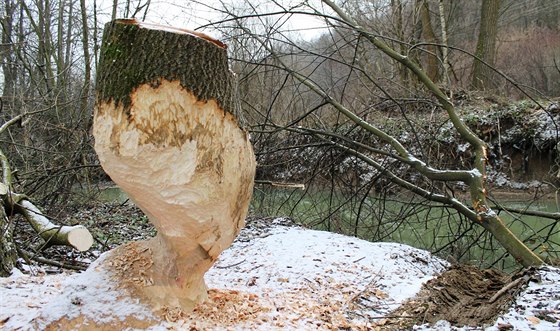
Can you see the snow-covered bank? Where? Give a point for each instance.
(538, 307)
(279, 278)
(315, 275)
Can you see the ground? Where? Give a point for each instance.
(278, 276)
(465, 295)
(462, 295)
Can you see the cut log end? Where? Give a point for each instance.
(76, 236)
(160, 27)
(80, 238)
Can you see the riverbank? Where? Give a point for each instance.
(278, 276)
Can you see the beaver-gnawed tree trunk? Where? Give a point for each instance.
(167, 131)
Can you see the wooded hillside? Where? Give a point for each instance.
(497, 63)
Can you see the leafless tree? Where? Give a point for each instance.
(486, 46)
(339, 126)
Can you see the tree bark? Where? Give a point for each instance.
(486, 45)
(8, 254)
(7, 53)
(87, 61)
(396, 11)
(445, 44)
(167, 131)
(431, 58)
(76, 236)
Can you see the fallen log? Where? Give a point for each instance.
(167, 131)
(10, 202)
(77, 236)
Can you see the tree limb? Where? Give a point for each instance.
(76, 236)
(537, 213)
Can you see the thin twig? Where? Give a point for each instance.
(280, 184)
(28, 255)
(229, 266)
(508, 287)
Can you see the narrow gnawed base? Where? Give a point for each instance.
(154, 276)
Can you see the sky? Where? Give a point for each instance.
(193, 14)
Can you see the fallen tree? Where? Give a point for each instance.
(401, 160)
(76, 236)
(12, 203)
(166, 130)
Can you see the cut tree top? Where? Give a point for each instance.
(167, 131)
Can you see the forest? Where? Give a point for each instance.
(432, 123)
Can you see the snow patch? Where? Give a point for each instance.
(32, 303)
(538, 299)
(289, 269)
(461, 148)
(294, 258)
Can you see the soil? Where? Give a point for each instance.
(464, 295)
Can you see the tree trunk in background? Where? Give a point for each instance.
(60, 65)
(445, 43)
(114, 10)
(45, 53)
(87, 60)
(396, 9)
(486, 46)
(166, 130)
(431, 59)
(7, 54)
(8, 254)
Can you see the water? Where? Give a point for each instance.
(113, 193)
(406, 220)
(409, 220)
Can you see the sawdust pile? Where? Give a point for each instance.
(231, 309)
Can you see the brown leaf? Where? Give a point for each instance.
(505, 326)
(533, 319)
(2, 322)
(380, 294)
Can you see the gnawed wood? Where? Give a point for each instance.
(166, 131)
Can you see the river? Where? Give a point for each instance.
(406, 220)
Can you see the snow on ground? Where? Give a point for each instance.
(32, 303)
(534, 307)
(287, 278)
(368, 279)
(292, 258)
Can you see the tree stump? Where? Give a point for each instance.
(167, 131)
